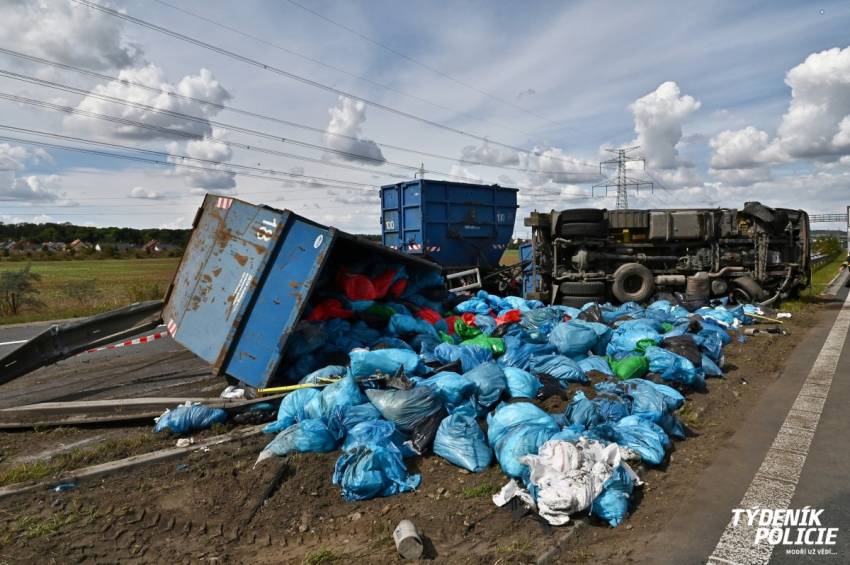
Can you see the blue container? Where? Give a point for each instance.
(246, 277)
(529, 277)
(454, 224)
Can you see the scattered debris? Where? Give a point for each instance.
(407, 540)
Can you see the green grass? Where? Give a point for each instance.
(480, 491)
(116, 283)
(510, 257)
(820, 279)
(107, 450)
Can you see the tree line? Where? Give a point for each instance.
(66, 233)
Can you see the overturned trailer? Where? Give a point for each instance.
(756, 253)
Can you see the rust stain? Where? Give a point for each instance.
(216, 271)
(206, 278)
(294, 284)
(241, 259)
(257, 247)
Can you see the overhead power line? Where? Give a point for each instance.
(167, 163)
(160, 91)
(425, 66)
(623, 181)
(333, 67)
(168, 132)
(316, 84)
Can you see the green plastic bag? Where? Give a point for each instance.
(446, 338)
(642, 344)
(667, 326)
(381, 310)
(466, 331)
(496, 344)
(632, 367)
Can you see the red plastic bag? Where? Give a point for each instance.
(382, 282)
(450, 321)
(358, 287)
(509, 317)
(328, 310)
(429, 315)
(398, 288)
(469, 319)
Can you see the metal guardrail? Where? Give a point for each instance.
(821, 259)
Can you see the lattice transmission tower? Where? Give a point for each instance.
(622, 181)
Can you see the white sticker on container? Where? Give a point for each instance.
(319, 239)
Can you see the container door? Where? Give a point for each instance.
(412, 218)
(225, 257)
(281, 296)
(391, 216)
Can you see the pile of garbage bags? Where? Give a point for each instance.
(417, 370)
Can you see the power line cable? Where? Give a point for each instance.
(424, 65)
(333, 67)
(316, 84)
(159, 90)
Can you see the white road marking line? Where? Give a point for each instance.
(776, 479)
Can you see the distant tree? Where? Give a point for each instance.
(17, 290)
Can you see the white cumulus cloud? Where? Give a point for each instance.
(208, 149)
(68, 32)
(345, 133)
(658, 123)
(31, 188)
(145, 193)
(203, 86)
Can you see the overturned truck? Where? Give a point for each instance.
(755, 254)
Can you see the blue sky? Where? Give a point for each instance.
(706, 88)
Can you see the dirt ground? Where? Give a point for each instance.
(195, 508)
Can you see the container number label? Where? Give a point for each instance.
(389, 224)
(501, 217)
(319, 239)
(267, 230)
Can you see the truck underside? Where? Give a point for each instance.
(756, 253)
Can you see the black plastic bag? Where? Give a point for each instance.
(422, 436)
(685, 346)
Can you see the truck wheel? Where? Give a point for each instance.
(745, 289)
(633, 282)
(594, 230)
(579, 301)
(583, 288)
(581, 215)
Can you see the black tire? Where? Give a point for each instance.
(593, 230)
(592, 215)
(583, 288)
(745, 289)
(579, 301)
(633, 282)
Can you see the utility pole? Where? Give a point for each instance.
(623, 181)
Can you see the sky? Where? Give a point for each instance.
(311, 105)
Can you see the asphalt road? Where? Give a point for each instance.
(158, 368)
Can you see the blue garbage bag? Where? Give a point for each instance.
(603, 334)
(572, 339)
(401, 324)
(567, 434)
(343, 418)
(405, 408)
(581, 413)
(365, 363)
(344, 392)
(470, 355)
(625, 339)
(294, 407)
(710, 368)
(461, 442)
(638, 434)
(452, 388)
(185, 419)
(518, 352)
(490, 383)
(612, 504)
(559, 367)
(378, 432)
(367, 471)
(507, 415)
(596, 363)
(485, 323)
(307, 337)
(656, 402)
(710, 343)
(473, 305)
(520, 440)
(521, 384)
(673, 367)
(306, 436)
(611, 408)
